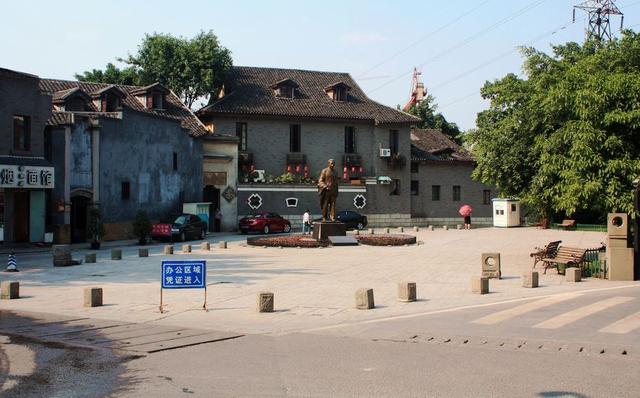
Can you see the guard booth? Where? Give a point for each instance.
(506, 213)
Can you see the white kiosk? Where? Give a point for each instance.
(506, 213)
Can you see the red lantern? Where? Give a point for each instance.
(288, 168)
(345, 176)
(344, 170)
(253, 167)
(297, 168)
(361, 169)
(306, 168)
(353, 169)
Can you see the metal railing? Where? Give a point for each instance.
(595, 264)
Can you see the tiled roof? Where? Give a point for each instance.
(248, 92)
(174, 108)
(433, 145)
(60, 118)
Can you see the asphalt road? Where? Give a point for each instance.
(543, 347)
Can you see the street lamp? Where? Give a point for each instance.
(636, 233)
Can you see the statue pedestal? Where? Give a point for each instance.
(323, 230)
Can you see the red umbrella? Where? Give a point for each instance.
(465, 211)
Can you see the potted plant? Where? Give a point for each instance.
(95, 228)
(142, 227)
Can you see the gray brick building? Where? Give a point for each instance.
(123, 149)
(290, 122)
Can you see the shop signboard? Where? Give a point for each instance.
(15, 176)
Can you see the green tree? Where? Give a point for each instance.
(426, 110)
(192, 68)
(565, 138)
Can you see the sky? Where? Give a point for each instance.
(458, 45)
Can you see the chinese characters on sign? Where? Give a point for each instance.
(13, 176)
(184, 274)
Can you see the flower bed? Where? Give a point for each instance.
(286, 241)
(386, 240)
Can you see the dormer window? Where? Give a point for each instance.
(285, 88)
(109, 99)
(152, 96)
(71, 100)
(338, 91)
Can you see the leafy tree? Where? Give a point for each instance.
(192, 68)
(567, 137)
(426, 110)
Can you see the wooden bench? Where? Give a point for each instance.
(568, 256)
(567, 223)
(548, 251)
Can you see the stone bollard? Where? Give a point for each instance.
(93, 297)
(364, 299)
(371, 231)
(491, 267)
(265, 302)
(416, 228)
(407, 291)
(222, 244)
(168, 249)
(479, 285)
(400, 229)
(445, 227)
(90, 258)
(61, 255)
(458, 226)
(431, 228)
(186, 248)
(143, 252)
(530, 279)
(9, 290)
(573, 274)
(116, 254)
(205, 246)
(357, 232)
(386, 230)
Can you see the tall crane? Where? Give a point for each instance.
(600, 12)
(418, 91)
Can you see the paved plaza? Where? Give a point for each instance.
(314, 288)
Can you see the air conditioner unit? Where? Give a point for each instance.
(385, 152)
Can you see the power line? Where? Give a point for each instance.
(423, 38)
(468, 40)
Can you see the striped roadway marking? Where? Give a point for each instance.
(582, 312)
(523, 309)
(625, 325)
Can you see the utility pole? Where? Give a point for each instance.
(600, 12)
(636, 224)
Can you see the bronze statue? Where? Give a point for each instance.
(328, 190)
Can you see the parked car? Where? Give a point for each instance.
(181, 228)
(264, 222)
(352, 219)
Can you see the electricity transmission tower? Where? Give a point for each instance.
(600, 12)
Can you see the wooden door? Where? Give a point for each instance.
(21, 207)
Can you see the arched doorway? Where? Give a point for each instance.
(80, 202)
(212, 194)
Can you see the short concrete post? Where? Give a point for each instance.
(407, 291)
(186, 248)
(371, 231)
(205, 246)
(92, 296)
(386, 230)
(400, 229)
(573, 274)
(143, 252)
(458, 226)
(90, 258)
(222, 244)
(364, 299)
(416, 228)
(265, 302)
(9, 290)
(445, 227)
(61, 255)
(530, 279)
(479, 285)
(116, 254)
(357, 232)
(431, 228)
(168, 249)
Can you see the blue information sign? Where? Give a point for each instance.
(184, 274)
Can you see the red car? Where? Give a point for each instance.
(264, 222)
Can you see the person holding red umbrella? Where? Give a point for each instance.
(465, 211)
